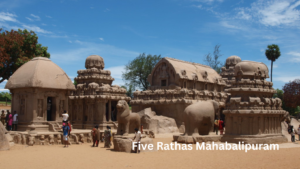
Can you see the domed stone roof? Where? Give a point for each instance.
(94, 61)
(250, 68)
(233, 60)
(40, 72)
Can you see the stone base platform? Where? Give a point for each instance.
(255, 139)
(194, 139)
(49, 138)
(124, 143)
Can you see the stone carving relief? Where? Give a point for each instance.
(40, 107)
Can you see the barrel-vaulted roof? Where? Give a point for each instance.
(40, 72)
(190, 70)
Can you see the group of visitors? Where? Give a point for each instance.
(10, 120)
(292, 132)
(219, 125)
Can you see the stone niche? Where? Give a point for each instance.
(176, 84)
(40, 91)
(95, 98)
(251, 114)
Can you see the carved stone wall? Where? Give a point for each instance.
(251, 114)
(175, 84)
(93, 100)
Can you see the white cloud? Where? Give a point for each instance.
(285, 79)
(44, 24)
(101, 39)
(4, 90)
(5, 16)
(36, 17)
(207, 1)
(295, 56)
(70, 41)
(48, 16)
(78, 41)
(35, 29)
(272, 12)
(29, 19)
(116, 72)
(229, 25)
(85, 49)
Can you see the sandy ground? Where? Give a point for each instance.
(85, 156)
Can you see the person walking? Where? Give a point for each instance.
(96, 136)
(221, 127)
(292, 133)
(107, 137)
(65, 116)
(137, 138)
(6, 118)
(3, 118)
(216, 126)
(66, 129)
(299, 133)
(15, 121)
(10, 121)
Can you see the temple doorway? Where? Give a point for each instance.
(114, 110)
(50, 109)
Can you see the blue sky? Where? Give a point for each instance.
(119, 30)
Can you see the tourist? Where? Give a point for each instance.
(107, 137)
(292, 134)
(15, 121)
(3, 118)
(66, 129)
(6, 118)
(299, 133)
(221, 126)
(96, 136)
(216, 126)
(9, 121)
(65, 117)
(137, 139)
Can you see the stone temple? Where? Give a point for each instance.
(95, 98)
(176, 84)
(251, 114)
(40, 91)
(228, 71)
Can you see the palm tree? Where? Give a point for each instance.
(272, 53)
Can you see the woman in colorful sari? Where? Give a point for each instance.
(107, 137)
(10, 121)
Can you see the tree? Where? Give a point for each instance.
(272, 53)
(280, 94)
(129, 91)
(17, 48)
(291, 95)
(137, 70)
(213, 61)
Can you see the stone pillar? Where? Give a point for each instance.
(45, 108)
(34, 106)
(109, 110)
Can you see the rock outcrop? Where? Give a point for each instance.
(4, 143)
(157, 124)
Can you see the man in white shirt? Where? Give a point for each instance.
(65, 117)
(15, 121)
(137, 139)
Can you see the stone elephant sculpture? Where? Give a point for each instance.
(199, 117)
(127, 121)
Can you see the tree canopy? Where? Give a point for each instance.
(17, 48)
(292, 93)
(5, 96)
(137, 71)
(213, 61)
(292, 110)
(272, 53)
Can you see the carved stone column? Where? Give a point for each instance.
(109, 110)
